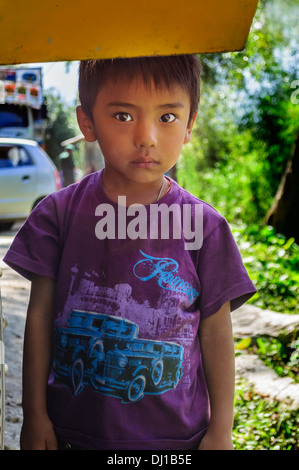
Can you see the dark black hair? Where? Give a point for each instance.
(182, 70)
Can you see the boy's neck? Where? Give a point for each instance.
(136, 193)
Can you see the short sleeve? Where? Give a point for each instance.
(221, 272)
(36, 247)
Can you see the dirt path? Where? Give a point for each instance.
(15, 295)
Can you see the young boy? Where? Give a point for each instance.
(128, 341)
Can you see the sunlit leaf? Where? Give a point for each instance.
(243, 343)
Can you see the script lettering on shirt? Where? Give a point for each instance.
(164, 270)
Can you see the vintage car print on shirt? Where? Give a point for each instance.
(105, 352)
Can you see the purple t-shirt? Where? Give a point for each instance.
(127, 370)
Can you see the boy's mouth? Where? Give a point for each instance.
(144, 163)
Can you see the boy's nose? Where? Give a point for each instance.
(145, 135)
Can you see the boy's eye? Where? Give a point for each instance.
(168, 117)
(124, 117)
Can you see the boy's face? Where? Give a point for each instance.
(141, 130)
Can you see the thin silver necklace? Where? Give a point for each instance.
(161, 189)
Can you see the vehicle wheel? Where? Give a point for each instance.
(136, 388)
(96, 365)
(77, 376)
(36, 203)
(6, 226)
(157, 372)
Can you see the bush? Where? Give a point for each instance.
(236, 183)
(272, 262)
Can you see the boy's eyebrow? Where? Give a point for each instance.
(177, 104)
(120, 104)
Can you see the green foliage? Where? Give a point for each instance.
(236, 185)
(280, 354)
(244, 135)
(272, 262)
(247, 122)
(261, 423)
(60, 124)
(277, 126)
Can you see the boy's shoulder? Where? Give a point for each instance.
(186, 195)
(211, 217)
(87, 186)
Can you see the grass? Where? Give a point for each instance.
(262, 423)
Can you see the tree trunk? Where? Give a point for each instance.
(283, 214)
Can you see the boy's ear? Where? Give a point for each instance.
(189, 128)
(85, 124)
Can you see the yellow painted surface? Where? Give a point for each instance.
(53, 30)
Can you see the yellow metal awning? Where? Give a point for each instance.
(55, 30)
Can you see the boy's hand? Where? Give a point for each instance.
(212, 441)
(38, 434)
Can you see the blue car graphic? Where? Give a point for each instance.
(104, 351)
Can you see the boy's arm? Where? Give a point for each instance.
(217, 347)
(37, 431)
